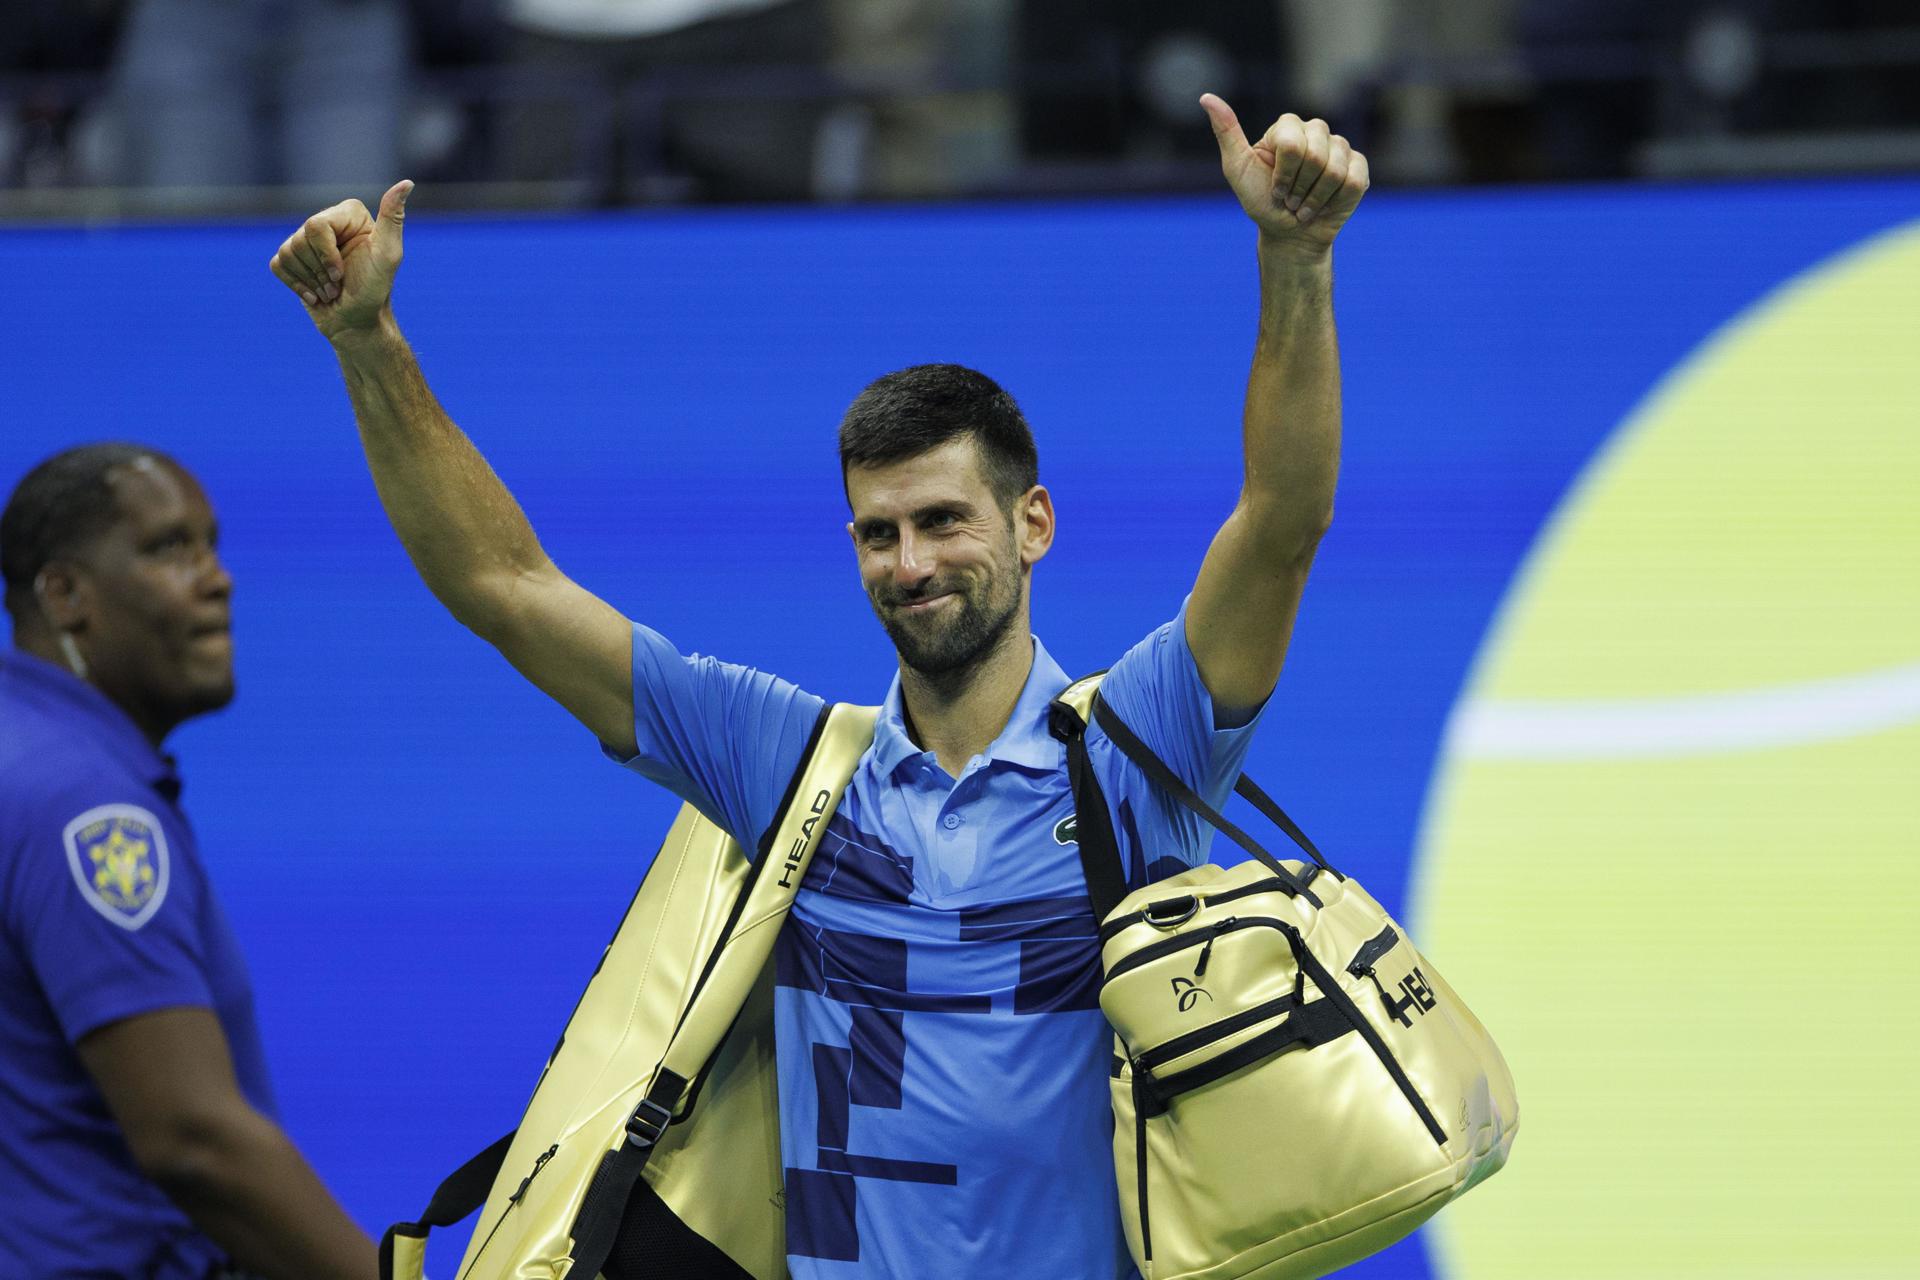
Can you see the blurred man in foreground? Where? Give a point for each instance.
(136, 1129)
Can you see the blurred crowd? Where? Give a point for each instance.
(611, 102)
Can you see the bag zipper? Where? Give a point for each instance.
(1140, 1168)
(1361, 966)
(1182, 1045)
(1202, 936)
(1364, 960)
(1206, 953)
(539, 1163)
(1271, 884)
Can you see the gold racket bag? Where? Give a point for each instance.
(1294, 1085)
(651, 1147)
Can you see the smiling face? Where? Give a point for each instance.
(147, 600)
(944, 562)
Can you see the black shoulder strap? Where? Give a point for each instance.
(459, 1194)
(1093, 825)
(1250, 791)
(1099, 848)
(1137, 751)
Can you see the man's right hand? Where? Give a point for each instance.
(342, 260)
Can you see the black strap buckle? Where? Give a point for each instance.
(648, 1123)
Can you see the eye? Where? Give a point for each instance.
(176, 544)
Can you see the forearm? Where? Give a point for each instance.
(466, 534)
(245, 1185)
(1291, 431)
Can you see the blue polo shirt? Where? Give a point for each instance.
(944, 1103)
(105, 913)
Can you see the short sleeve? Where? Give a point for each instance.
(103, 901)
(1157, 690)
(722, 737)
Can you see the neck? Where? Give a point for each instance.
(957, 716)
(47, 646)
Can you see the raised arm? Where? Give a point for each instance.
(1299, 183)
(466, 535)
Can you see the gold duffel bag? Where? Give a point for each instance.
(1294, 1086)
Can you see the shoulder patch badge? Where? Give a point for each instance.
(118, 855)
(1067, 830)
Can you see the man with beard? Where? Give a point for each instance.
(942, 1057)
(136, 1129)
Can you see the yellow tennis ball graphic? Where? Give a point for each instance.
(1672, 852)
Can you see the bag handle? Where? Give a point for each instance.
(1069, 716)
(403, 1249)
(1137, 751)
(1251, 792)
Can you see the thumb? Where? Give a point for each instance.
(393, 213)
(1226, 126)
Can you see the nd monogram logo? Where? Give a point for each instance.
(1419, 998)
(1189, 993)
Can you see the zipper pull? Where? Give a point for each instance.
(1206, 951)
(528, 1180)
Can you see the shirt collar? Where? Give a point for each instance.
(1025, 741)
(94, 712)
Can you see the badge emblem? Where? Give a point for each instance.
(1067, 830)
(118, 856)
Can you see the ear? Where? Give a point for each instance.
(65, 595)
(1033, 524)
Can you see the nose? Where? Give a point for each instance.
(215, 582)
(912, 563)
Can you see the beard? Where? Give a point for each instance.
(945, 648)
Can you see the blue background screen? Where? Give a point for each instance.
(423, 857)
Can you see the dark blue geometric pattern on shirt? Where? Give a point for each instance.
(859, 865)
(838, 1076)
(1059, 950)
(1059, 970)
(869, 975)
(820, 1210)
(859, 969)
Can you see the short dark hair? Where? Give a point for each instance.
(910, 411)
(58, 505)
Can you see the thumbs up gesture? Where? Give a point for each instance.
(341, 262)
(1299, 183)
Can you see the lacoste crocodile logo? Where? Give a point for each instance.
(1067, 830)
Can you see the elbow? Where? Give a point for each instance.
(490, 605)
(1290, 530)
(193, 1156)
(1322, 521)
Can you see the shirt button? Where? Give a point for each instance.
(951, 821)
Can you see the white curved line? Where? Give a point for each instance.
(1744, 720)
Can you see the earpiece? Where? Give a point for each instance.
(69, 650)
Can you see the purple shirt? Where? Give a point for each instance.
(105, 913)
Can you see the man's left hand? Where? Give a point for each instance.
(1299, 183)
